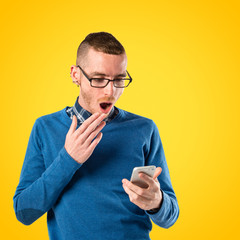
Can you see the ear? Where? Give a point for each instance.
(75, 75)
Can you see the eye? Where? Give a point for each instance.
(99, 80)
(119, 80)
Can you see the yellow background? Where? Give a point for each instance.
(184, 60)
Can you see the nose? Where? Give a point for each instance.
(109, 89)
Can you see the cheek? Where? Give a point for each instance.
(93, 96)
(118, 93)
(87, 94)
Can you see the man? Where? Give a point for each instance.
(78, 159)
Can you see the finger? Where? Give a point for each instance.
(157, 172)
(90, 124)
(95, 133)
(92, 127)
(138, 190)
(147, 179)
(130, 193)
(95, 143)
(135, 198)
(86, 123)
(73, 125)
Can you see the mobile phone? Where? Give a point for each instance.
(135, 179)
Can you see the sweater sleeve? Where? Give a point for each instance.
(39, 188)
(168, 213)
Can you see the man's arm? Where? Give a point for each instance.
(39, 188)
(159, 197)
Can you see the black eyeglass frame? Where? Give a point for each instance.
(109, 80)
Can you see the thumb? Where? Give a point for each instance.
(157, 173)
(73, 125)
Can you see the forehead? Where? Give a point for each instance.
(108, 64)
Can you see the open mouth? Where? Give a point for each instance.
(105, 105)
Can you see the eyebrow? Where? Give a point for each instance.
(104, 75)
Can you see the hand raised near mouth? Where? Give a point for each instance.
(79, 143)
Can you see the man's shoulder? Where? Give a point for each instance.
(133, 117)
(52, 117)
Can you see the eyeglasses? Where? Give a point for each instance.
(120, 82)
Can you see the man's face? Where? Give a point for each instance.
(99, 65)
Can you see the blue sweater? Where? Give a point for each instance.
(87, 201)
